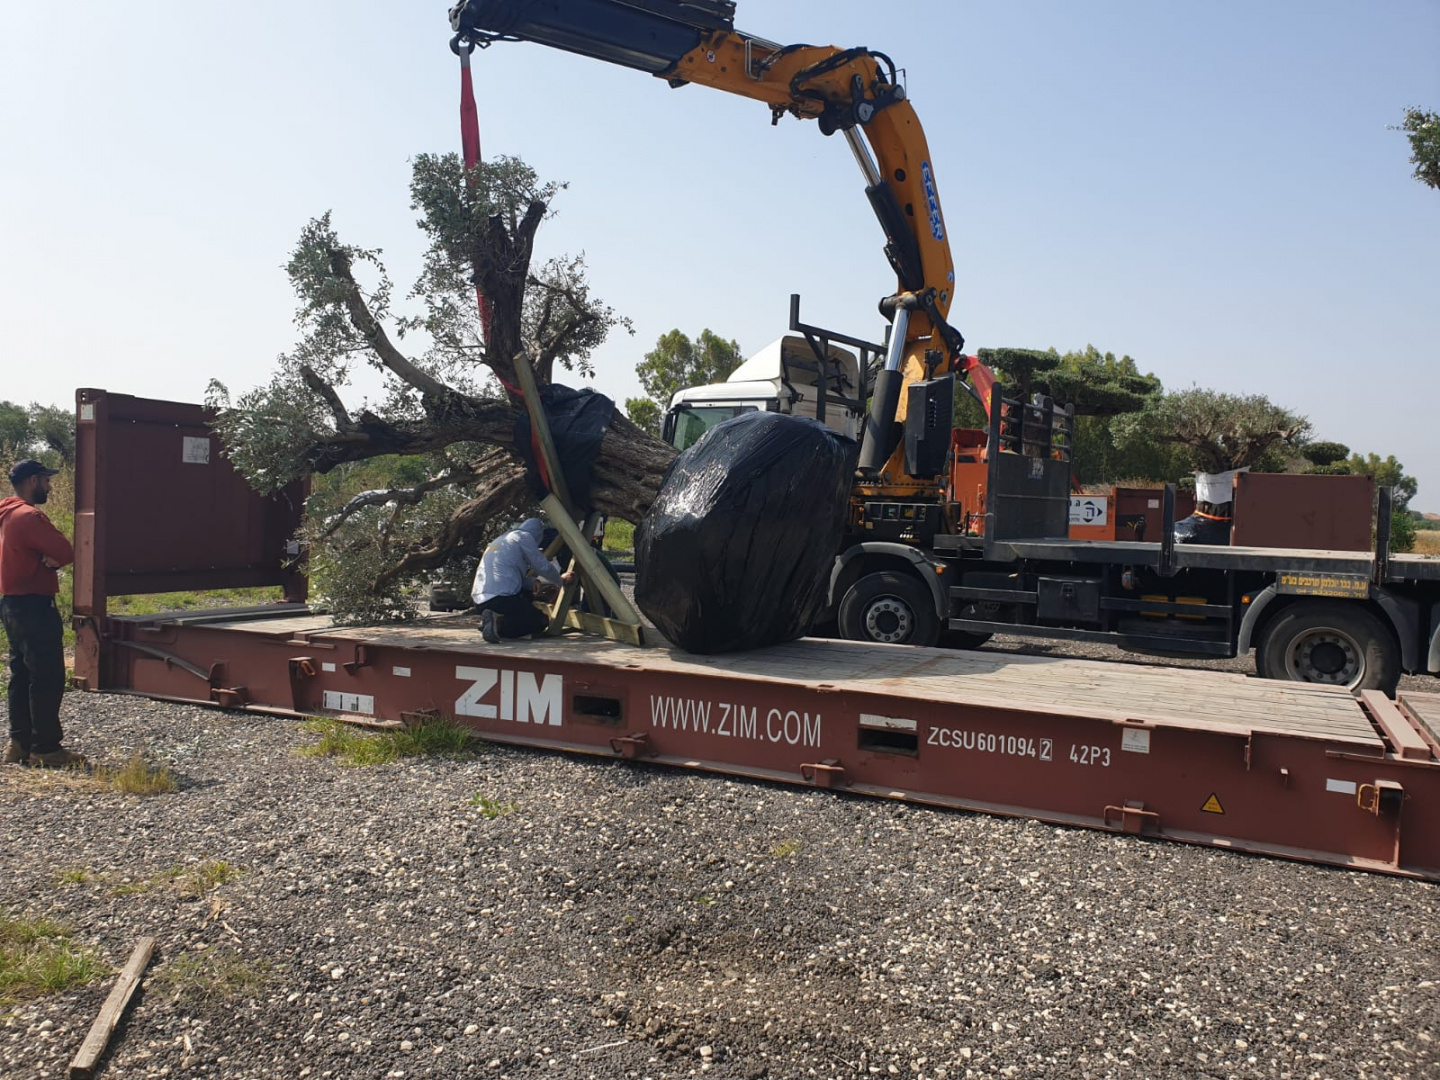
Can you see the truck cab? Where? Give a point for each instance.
(782, 377)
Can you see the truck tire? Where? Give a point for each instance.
(969, 639)
(891, 608)
(1331, 644)
(963, 639)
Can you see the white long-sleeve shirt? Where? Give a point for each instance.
(510, 561)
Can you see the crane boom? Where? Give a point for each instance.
(855, 92)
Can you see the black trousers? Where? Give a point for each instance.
(516, 615)
(37, 671)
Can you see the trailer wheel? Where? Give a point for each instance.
(891, 608)
(1331, 644)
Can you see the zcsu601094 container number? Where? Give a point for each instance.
(987, 742)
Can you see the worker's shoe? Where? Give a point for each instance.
(487, 628)
(58, 759)
(15, 754)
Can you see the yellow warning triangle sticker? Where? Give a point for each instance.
(1212, 805)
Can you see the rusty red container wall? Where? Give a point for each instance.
(1139, 513)
(1323, 513)
(159, 509)
(1294, 796)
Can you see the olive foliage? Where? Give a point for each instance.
(1216, 432)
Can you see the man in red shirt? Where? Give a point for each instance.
(31, 550)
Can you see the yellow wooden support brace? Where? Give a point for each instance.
(597, 578)
(558, 506)
(563, 602)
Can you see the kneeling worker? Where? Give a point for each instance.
(504, 583)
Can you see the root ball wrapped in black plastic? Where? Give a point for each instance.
(736, 551)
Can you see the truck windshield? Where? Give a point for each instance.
(692, 422)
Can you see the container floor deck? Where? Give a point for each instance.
(1426, 709)
(1179, 697)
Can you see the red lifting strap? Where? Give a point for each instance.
(470, 148)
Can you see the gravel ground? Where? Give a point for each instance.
(611, 920)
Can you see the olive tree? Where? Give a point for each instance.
(450, 397)
(1216, 432)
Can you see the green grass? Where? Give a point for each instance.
(75, 875)
(189, 881)
(619, 535)
(154, 603)
(193, 882)
(37, 958)
(786, 849)
(138, 777)
(492, 808)
(214, 975)
(357, 747)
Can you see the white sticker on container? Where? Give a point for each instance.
(335, 701)
(196, 451)
(327, 666)
(1344, 787)
(87, 412)
(1136, 740)
(403, 672)
(896, 723)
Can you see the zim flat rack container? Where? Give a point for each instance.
(1285, 769)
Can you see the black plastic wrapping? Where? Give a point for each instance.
(577, 421)
(736, 551)
(1199, 530)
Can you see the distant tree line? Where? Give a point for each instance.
(46, 432)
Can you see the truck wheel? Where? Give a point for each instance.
(1332, 644)
(891, 608)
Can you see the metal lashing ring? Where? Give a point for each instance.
(458, 42)
(1373, 806)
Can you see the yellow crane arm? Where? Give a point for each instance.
(854, 92)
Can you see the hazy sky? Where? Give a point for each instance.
(1210, 188)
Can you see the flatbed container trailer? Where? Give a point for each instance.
(1297, 771)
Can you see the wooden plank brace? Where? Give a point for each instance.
(91, 1050)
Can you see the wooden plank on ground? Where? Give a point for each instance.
(93, 1048)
